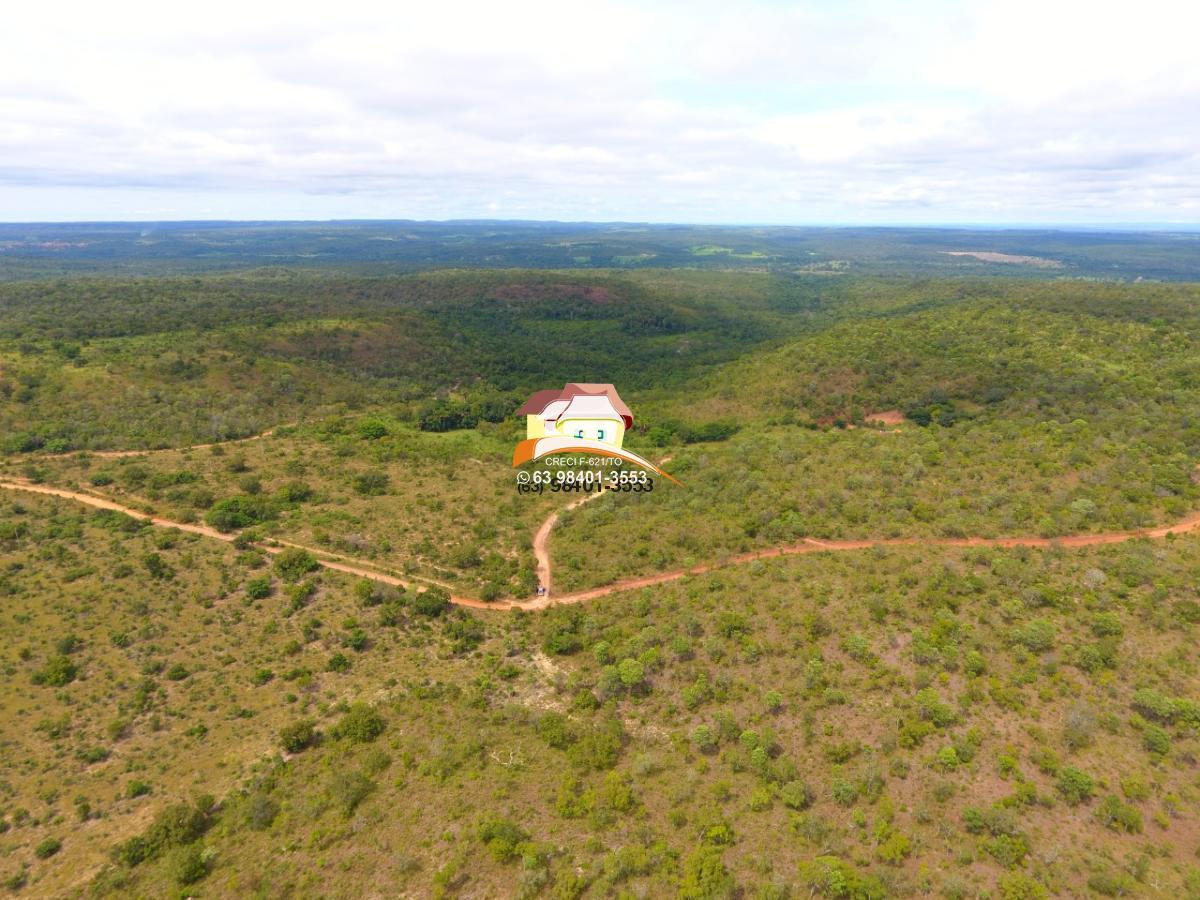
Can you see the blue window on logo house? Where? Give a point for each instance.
(579, 433)
(599, 434)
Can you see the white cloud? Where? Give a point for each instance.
(781, 112)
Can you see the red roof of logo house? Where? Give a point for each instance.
(539, 401)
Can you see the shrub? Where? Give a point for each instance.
(293, 492)
(554, 729)
(47, 848)
(796, 795)
(1107, 624)
(372, 429)
(371, 484)
(366, 594)
(258, 588)
(261, 811)
(132, 852)
(1036, 635)
(1018, 886)
(1135, 787)
(174, 826)
(177, 672)
(360, 724)
(599, 747)
(894, 849)
(158, 567)
(698, 692)
(1108, 884)
(1008, 849)
(563, 641)
(1076, 786)
(1154, 705)
(58, 672)
(1119, 816)
(188, 865)
(1092, 658)
(137, 788)
(973, 820)
(293, 563)
(934, 709)
(1188, 611)
(241, 511)
(703, 739)
(17, 880)
(845, 793)
(339, 662)
(68, 644)
(828, 876)
(1156, 739)
(632, 672)
(1079, 727)
(705, 877)
(349, 789)
(946, 759)
(94, 755)
(432, 602)
(502, 837)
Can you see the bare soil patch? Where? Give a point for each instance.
(886, 417)
(1014, 259)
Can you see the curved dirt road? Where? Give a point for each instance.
(808, 545)
(541, 540)
(813, 545)
(122, 454)
(325, 558)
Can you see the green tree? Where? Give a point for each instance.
(632, 673)
(293, 563)
(705, 876)
(432, 602)
(360, 724)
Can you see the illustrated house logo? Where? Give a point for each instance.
(583, 417)
(579, 411)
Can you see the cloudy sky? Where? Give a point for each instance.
(845, 111)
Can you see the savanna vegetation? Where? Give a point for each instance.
(892, 723)
(189, 716)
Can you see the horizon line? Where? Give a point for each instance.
(1064, 225)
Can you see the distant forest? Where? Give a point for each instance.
(148, 248)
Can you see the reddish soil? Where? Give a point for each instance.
(589, 293)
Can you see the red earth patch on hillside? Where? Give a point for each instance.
(588, 293)
(886, 417)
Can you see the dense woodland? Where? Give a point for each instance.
(185, 716)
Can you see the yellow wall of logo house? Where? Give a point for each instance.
(609, 430)
(584, 416)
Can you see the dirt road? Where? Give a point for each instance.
(541, 540)
(122, 454)
(541, 548)
(328, 560)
